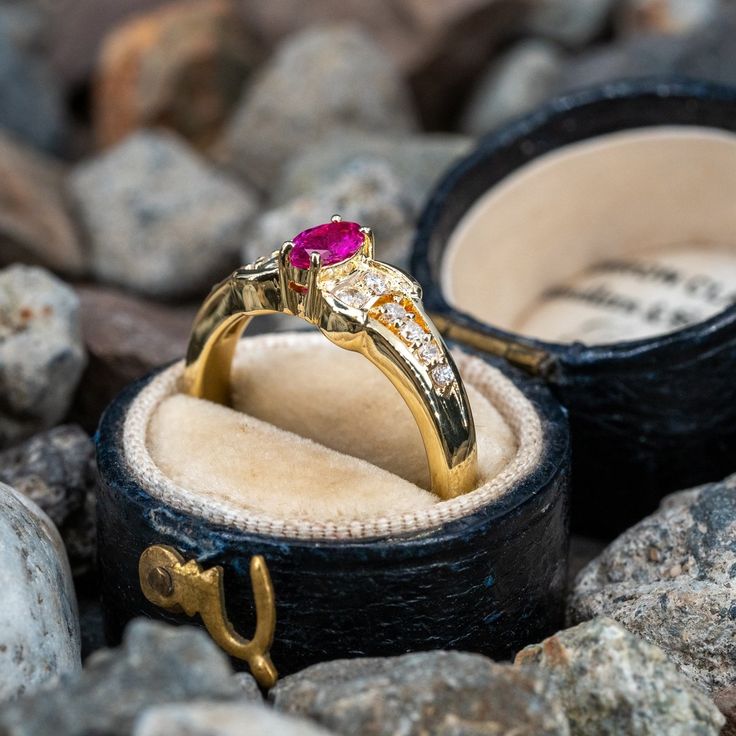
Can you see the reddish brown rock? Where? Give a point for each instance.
(125, 337)
(35, 226)
(726, 702)
(439, 46)
(180, 66)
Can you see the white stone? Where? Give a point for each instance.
(221, 719)
(39, 626)
(394, 312)
(412, 332)
(442, 375)
(376, 282)
(430, 353)
(353, 296)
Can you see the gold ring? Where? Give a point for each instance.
(327, 276)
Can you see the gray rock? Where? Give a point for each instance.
(160, 220)
(41, 353)
(670, 579)
(319, 81)
(612, 682)
(571, 22)
(417, 161)
(35, 226)
(31, 104)
(56, 470)
(706, 53)
(39, 629)
(218, 719)
(442, 693)
(249, 687)
(665, 16)
(156, 664)
(522, 78)
(367, 192)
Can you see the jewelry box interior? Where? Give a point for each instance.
(621, 237)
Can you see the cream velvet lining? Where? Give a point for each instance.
(657, 196)
(319, 444)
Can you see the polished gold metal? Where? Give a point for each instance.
(390, 328)
(169, 582)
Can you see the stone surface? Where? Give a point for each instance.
(56, 470)
(443, 693)
(181, 66)
(570, 22)
(31, 104)
(726, 701)
(35, 226)
(333, 241)
(218, 719)
(248, 686)
(39, 630)
(126, 337)
(705, 53)
(319, 81)
(160, 220)
(156, 664)
(670, 579)
(518, 81)
(41, 353)
(417, 162)
(665, 16)
(612, 682)
(367, 192)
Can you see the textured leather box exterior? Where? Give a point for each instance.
(646, 417)
(490, 582)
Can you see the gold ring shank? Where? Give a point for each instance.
(443, 416)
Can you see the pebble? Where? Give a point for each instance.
(156, 664)
(670, 579)
(56, 470)
(417, 694)
(366, 192)
(525, 76)
(161, 221)
(41, 351)
(217, 719)
(39, 628)
(706, 53)
(181, 66)
(612, 682)
(665, 16)
(573, 23)
(31, 102)
(319, 81)
(31, 182)
(126, 337)
(726, 702)
(417, 162)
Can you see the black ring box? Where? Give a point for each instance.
(648, 416)
(489, 581)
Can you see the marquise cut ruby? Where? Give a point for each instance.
(334, 241)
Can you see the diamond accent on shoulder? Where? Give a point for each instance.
(412, 332)
(353, 296)
(442, 376)
(430, 353)
(394, 312)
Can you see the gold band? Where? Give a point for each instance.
(361, 305)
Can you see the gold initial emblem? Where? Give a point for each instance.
(169, 582)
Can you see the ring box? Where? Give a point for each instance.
(319, 469)
(593, 243)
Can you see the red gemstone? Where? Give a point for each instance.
(334, 241)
